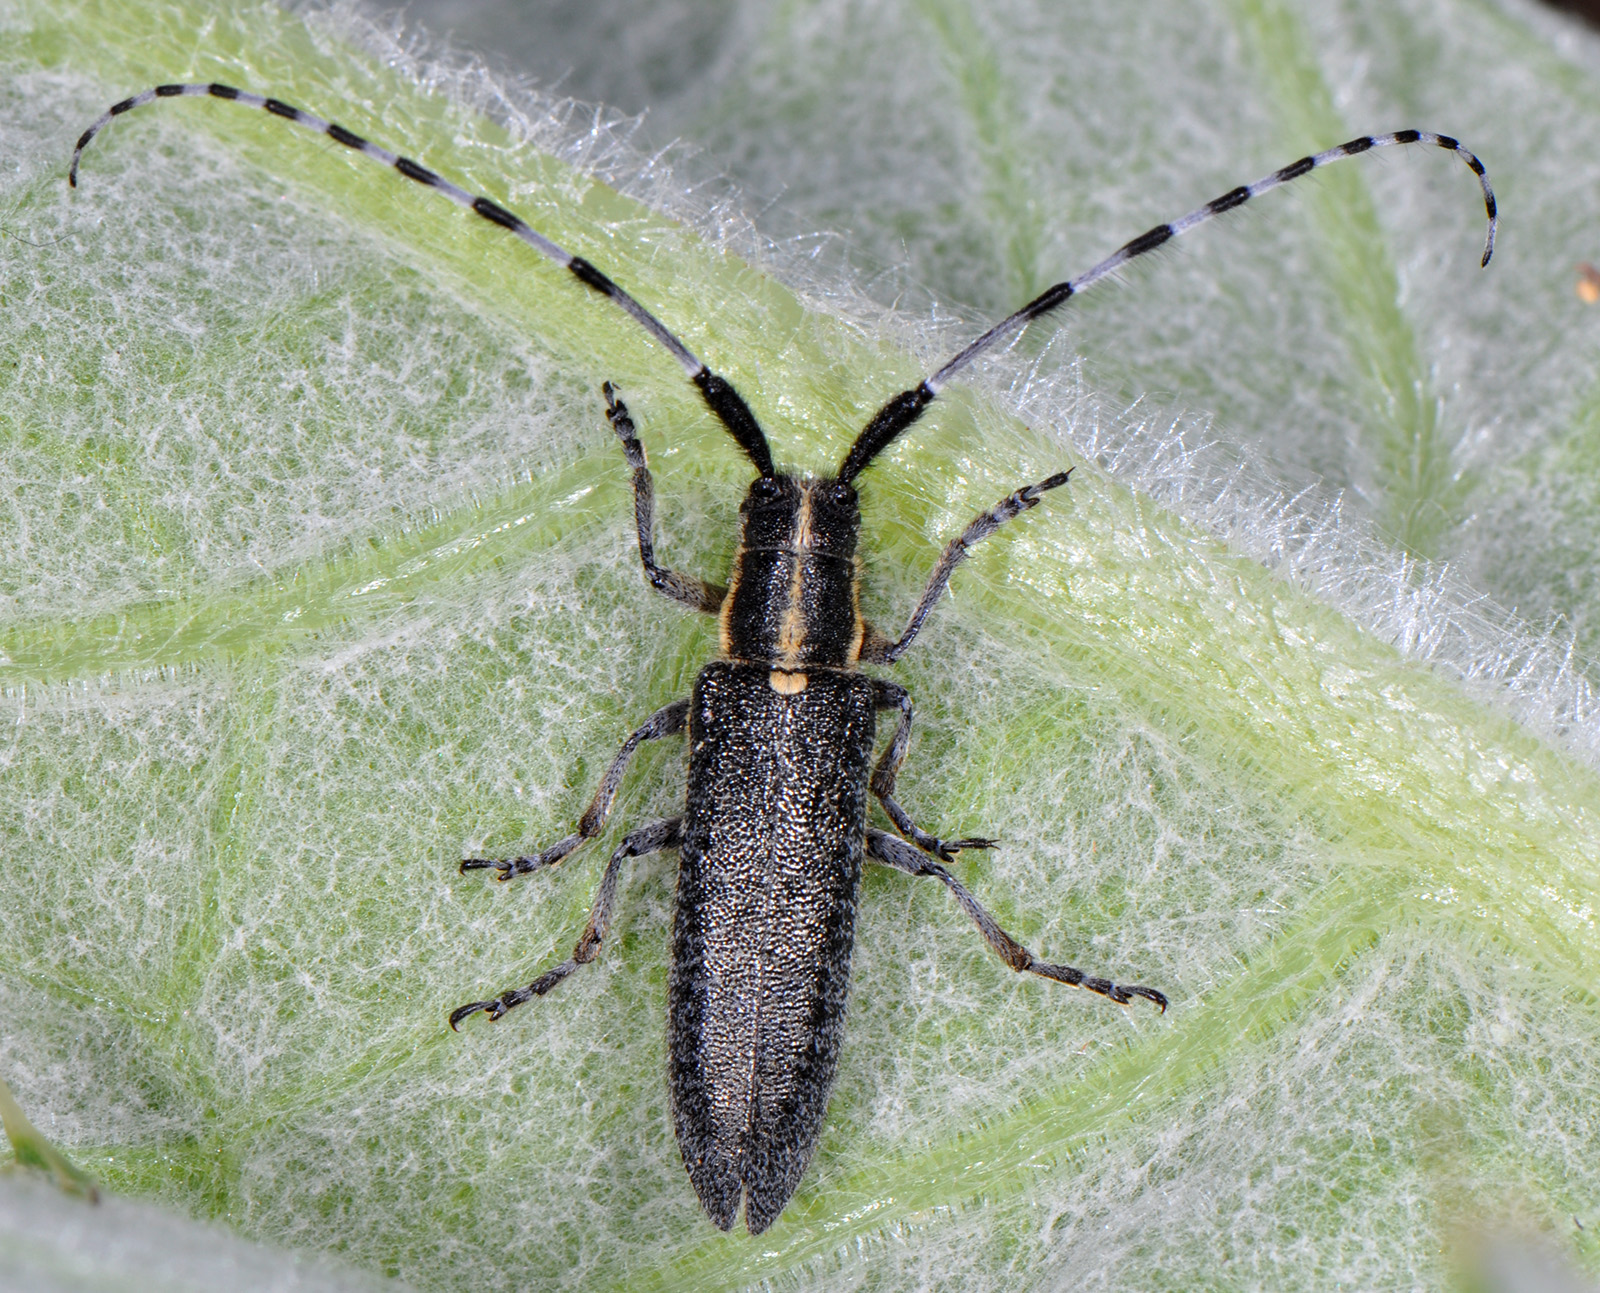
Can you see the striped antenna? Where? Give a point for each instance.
(719, 394)
(906, 407)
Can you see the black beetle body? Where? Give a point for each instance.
(780, 747)
(774, 833)
(781, 731)
(768, 874)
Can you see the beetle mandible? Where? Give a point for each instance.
(781, 730)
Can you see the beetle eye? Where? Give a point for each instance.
(764, 489)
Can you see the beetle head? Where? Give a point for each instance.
(818, 516)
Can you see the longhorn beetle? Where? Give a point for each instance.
(781, 730)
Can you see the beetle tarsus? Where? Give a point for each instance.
(510, 867)
(945, 850)
(1090, 983)
(664, 834)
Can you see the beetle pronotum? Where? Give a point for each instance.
(781, 728)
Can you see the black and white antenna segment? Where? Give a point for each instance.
(723, 400)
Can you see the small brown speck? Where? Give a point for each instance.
(1588, 284)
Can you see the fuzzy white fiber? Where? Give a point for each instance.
(319, 577)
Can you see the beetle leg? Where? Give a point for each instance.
(647, 839)
(668, 721)
(892, 696)
(885, 848)
(877, 649)
(694, 593)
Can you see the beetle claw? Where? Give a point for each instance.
(1124, 996)
(506, 868)
(494, 1009)
(1149, 994)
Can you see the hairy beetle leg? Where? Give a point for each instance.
(667, 721)
(893, 696)
(694, 593)
(876, 648)
(885, 848)
(664, 834)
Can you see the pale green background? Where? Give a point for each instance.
(320, 578)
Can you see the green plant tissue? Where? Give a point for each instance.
(320, 577)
